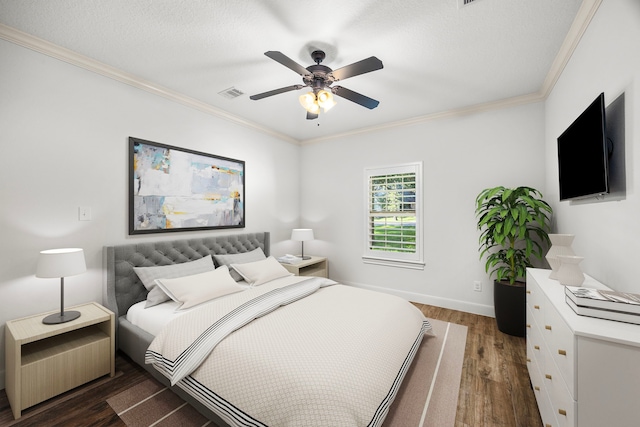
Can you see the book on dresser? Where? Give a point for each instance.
(601, 313)
(604, 299)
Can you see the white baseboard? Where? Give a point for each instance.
(468, 307)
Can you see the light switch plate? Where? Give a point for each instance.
(84, 213)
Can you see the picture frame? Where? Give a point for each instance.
(177, 189)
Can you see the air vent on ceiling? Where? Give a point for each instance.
(231, 93)
(463, 3)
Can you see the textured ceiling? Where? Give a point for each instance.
(437, 57)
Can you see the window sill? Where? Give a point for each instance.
(413, 265)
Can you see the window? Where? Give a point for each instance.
(393, 230)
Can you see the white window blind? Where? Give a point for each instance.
(393, 215)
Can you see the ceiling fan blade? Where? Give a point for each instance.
(356, 97)
(311, 116)
(275, 92)
(361, 67)
(287, 62)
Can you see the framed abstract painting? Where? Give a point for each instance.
(175, 189)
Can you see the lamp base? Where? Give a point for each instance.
(67, 316)
(305, 257)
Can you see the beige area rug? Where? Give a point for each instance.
(428, 396)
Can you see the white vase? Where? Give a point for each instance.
(560, 245)
(569, 272)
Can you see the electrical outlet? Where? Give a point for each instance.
(477, 285)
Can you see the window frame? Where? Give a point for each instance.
(392, 258)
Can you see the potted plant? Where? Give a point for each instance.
(514, 223)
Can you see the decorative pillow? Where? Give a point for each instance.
(198, 288)
(241, 258)
(148, 275)
(259, 272)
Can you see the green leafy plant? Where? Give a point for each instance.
(513, 223)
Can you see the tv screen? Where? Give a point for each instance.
(583, 155)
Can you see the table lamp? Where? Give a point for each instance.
(61, 263)
(302, 235)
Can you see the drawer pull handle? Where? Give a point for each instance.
(537, 347)
(528, 325)
(562, 352)
(537, 307)
(537, 388)
(562, 412)
(548, 425)
(529, 292)
(547, 376)
(528, 360)
(547, 327)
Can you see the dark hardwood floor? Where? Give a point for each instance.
(494, 392)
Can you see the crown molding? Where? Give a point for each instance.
(47, 48)
(472, 109)
(583, 18)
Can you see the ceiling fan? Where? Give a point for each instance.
(320, 78)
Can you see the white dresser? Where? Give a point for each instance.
(584, 371)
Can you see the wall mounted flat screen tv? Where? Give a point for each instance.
(583, 154)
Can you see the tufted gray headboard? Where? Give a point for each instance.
(123, 288)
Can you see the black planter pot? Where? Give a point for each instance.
(510, 306)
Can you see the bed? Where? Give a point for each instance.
(283, 350)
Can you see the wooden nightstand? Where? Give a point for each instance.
(316, 266)
(43, 361)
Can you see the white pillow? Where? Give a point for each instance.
(148, 275)
(241, 258)
(198, 288)
(259, 272)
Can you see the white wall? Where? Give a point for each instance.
(64, 140)
(606, 60)
(461, 156)
(63, 135)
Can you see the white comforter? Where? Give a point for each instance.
(293, 352)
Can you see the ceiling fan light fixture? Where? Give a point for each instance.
(319, 78)
(307, 100)
(312, 102)
(313, 108)
(325, 100)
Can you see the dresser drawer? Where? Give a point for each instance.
(542, 397)
(538, 307)
(561, 345)
(535, 296)
(535, 343)
(532, 291)
(534, 373)
(562, 403)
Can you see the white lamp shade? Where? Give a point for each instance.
(60, 263)
(302, 234)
